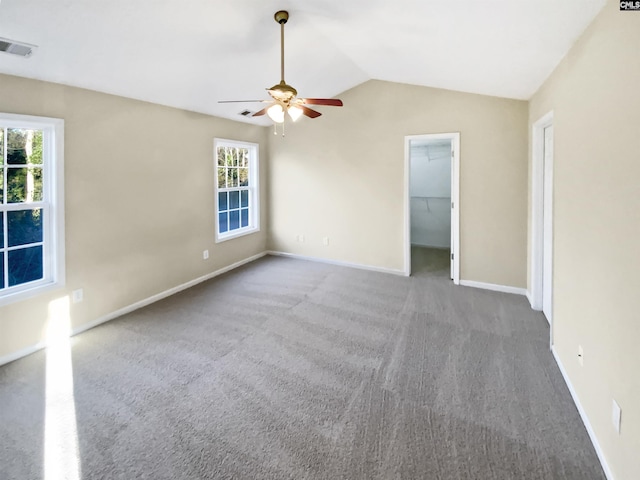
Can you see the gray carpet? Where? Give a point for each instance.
(286, 369)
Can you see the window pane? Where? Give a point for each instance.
(232, 177)
(234, 219)
(25, 265)
(34, 183)
(244, 158)
(24, 146)
(16, 152)
(1, 235)
(1, 186)
(244, 198)
(243, 176)
(16, 185)
(244, 217)
(234, 199)
(1, 147)
(234, 156)
(24, 185)
(1, 270)
(34, 150)
(222, 201)
(222, 177)
(222, 222)
(221, 156)
(24, 227)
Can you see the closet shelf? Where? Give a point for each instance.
(442, 198)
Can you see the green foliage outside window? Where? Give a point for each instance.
(233, 167)
(21, 159)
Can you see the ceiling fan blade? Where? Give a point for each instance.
(309, 113)
(332, 102)
(243, 101)
(260, 112)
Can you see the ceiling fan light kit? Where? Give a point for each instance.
(284, 97)
(276, 113)
(295, 112)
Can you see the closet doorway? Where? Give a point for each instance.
(541, 267)
(431, 204)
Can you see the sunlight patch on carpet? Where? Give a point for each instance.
(61, 453)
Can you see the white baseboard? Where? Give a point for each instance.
(339, 263)
(22, 353)
(130, 308)
(537, 308)
(585, 419)
(494, 287)
(165, 294)
(530, 298)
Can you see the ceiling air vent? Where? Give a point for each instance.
(16, 48)
(244, 113)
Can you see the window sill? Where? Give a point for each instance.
(34, 291)
(236, 234)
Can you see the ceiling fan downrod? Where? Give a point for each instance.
(281, 17)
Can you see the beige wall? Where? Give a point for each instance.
(341, 175)
(595, 97)
(139, 201)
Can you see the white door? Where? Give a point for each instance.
(453, 232)
(547, 225)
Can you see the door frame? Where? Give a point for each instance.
(454, 137)
(537, 211)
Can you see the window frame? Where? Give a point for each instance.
(52, 204)
(253, 187)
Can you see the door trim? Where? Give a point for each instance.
(454, 137)
(537, 210)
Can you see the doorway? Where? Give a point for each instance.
(542, 219)
(431, 202)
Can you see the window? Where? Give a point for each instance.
(237, 196)
(31, 205)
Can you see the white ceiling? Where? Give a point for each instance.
(192, 53)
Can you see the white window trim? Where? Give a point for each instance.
(53, 168)
(254, 189)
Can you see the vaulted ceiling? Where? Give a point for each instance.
(192, 53)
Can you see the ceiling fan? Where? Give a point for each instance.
(283, 96)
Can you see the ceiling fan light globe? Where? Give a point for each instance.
(276, 113)
(294, 112)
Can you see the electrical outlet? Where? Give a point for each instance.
(325, 241)
(580, 356)
(77, 295)
(616, 416)
(205, 254)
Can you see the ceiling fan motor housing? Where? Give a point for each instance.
(282, 91)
